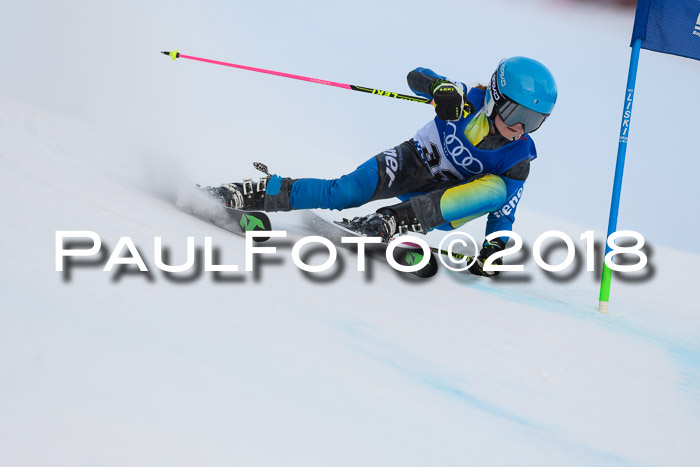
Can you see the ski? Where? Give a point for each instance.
(235, 221)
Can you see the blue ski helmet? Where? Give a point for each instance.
(522, 90)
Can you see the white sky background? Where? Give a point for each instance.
(100, 60)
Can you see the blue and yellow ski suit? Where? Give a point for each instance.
(451, 172)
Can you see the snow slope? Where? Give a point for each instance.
(279, 367)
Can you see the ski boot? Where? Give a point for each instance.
(386, 222)
(248, 195)
(245, 196)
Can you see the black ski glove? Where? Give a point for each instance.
(488, 248)
(448, 100)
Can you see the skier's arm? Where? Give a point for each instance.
(447, 96)
(503, 218)
(421, 80)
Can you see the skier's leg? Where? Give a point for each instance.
(274, 193)
(387, 175)
(460, 204)
(392, 173)
(351, 190)
(446, 207)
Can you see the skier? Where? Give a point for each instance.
(472, 159)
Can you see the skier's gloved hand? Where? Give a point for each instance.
(488, 248)
(448, 100)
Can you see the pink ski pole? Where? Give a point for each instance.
(175, 54)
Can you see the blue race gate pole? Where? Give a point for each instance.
(619, 170)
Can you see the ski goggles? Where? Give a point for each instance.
(513, 113)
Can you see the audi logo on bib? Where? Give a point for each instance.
(461, 156)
